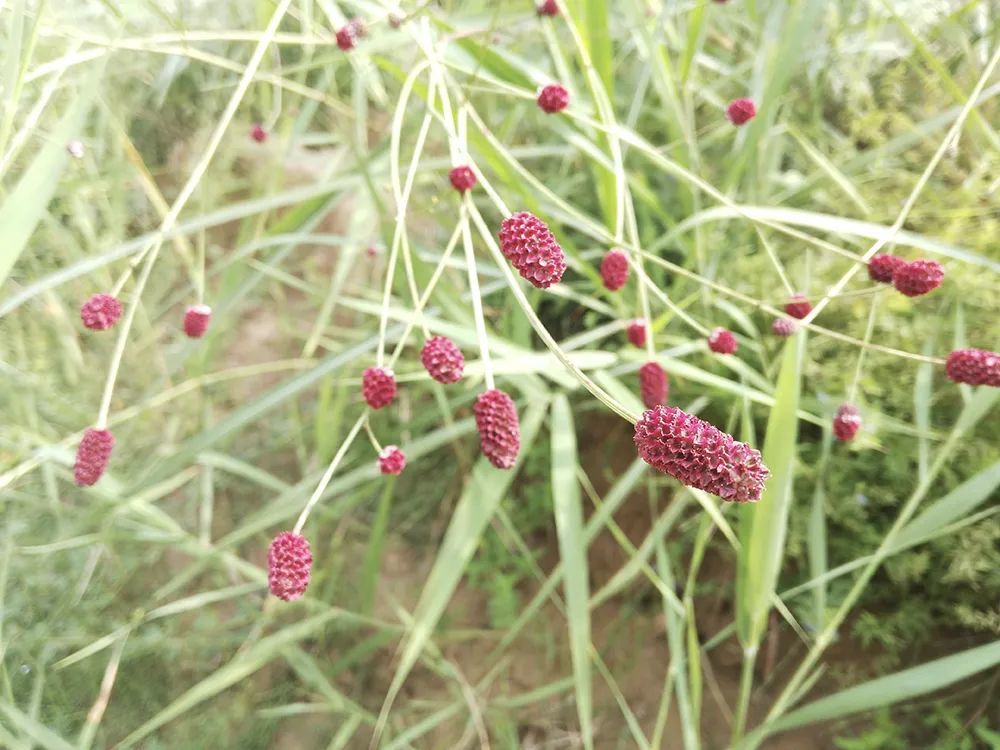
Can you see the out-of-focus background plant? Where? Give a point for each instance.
(245, 156)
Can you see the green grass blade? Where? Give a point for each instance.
(486, 488)
(894, 688)
(573, 553)
(763, 525)
(32, 729)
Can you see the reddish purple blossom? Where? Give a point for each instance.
(798, 306)
(391, 460)
(100, 312)
(741, 111)
(614, 270)
(553, 98)
(532, 249)
(636, 333)
(548, 8)
(846, 422)
(196, 320)
(499, 428)
(783, 327)
(882, 267)
(654, 385)
(699, 454)
(378, 386)
(92, 456)
(722, 341)
(918, 277)
(350, 33)
(289, 565)
(442, 359)
(258, 133)
(974, 367)
(462, 178)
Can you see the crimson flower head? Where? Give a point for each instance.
(350, 33)
(92, 456)
(548, 8)
(196, 320)
(499, 428)
(798, 306)
(442, 359)
(100, 312)
(783, 327)
(882, 267)
(722, 341)
(846, 422)
(391, 460)
(974, 367)
(614, 270)
(258, 133)
(462, 178)
(741, 111)
(918, 277)
(532, 249)
(654, 385)
(289, 565)
(378, 386)
(700, 455)
(636, 333)
(553, 98)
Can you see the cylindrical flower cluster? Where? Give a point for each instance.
(548, 8)
(442, 359)
(974, 367)
(699, 454)
(378, 386)
(741, 111)
(636, 333)
(553, 98)
(654, 385)
(196, 320)
(350, 33)
(783, 327)
(532, 249)
(391, 460)
(722, 341)
(100, 312)
(918, 277)
(614, 270)
(499, 428)
(882, 267)
(462, 178)
(92, 456)
(798, 306)
(289, 566)
(846, 422)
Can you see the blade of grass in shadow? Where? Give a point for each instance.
(573, 553)
(479, 500)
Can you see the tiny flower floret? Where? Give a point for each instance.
(654, 385)
(614, 270)
(391, 460)
(846, 422)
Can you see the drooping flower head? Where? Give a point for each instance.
(917, 278)
(100, 312)
(391, 460)
(532, 249)
(349, 34)
(882, 267)
(654, 385)
(553, 98)
(974, 367)
(783, 327)
(741, 111)
(442, 359)
(462, 178)
(378, 386)
(614, 270)
(636, 333)
(798, 306)
(92, 456)
(499, 428)
(722, 341)
(699, 454)
(196, 320)
(846, 422)
(289, 566)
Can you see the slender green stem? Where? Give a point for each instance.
(743, 700)
(477, 298)
(328, 474)
(869, 329)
